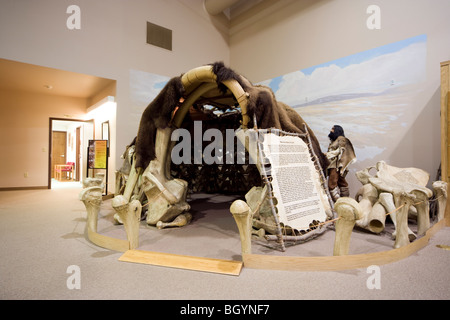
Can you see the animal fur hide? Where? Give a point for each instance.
(269, 113)
(157, 115)
(341, 154)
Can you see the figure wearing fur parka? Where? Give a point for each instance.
(341, 155)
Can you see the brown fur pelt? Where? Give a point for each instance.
(269, 113)
(157, 115)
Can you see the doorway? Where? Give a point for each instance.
(59, 150)
(67, 142)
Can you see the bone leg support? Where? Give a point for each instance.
(130, 214)
(440, 190)
(241, 214)
(348, 211)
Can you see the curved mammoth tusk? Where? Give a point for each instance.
(198, 75)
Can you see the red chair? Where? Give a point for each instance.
(69, 167)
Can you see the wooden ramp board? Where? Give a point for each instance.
(229, 267)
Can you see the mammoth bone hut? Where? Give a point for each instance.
(262, 150)
(247, 123)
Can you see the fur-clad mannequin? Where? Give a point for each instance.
(341, 154)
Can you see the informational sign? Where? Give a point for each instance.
(295, 181)
(98, 154)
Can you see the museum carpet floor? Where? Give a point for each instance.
(43, 239)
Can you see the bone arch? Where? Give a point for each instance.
(213, 85)
(202, 85)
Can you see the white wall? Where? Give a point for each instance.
(111, 41)
(24, 135)
(307, 33)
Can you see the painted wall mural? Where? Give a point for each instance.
(368, 94)
(144, 87)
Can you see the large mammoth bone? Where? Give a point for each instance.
(405, 195)
(367, 196)
(124, 171)
(387, 200)
(440, 190)
(129, 213)
(349, 211)
(166, 197)
(92, 199)
(396, 189)
(92, 196)
(243, 217)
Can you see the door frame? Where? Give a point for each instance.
(50, 143)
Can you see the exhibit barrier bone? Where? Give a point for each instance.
(348, 212)
(440, 189)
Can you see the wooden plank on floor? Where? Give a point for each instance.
(229, 267)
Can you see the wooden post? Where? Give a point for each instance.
(447, 209)
(445, 103)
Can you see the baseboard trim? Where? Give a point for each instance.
(23, 188)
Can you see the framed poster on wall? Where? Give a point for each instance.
(98, 154)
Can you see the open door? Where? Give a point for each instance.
(68, 139)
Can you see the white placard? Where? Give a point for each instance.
(295, 181)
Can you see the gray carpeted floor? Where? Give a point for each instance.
(43, 233)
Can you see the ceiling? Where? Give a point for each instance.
(244, 13)
(231, 8)
(18, 76)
